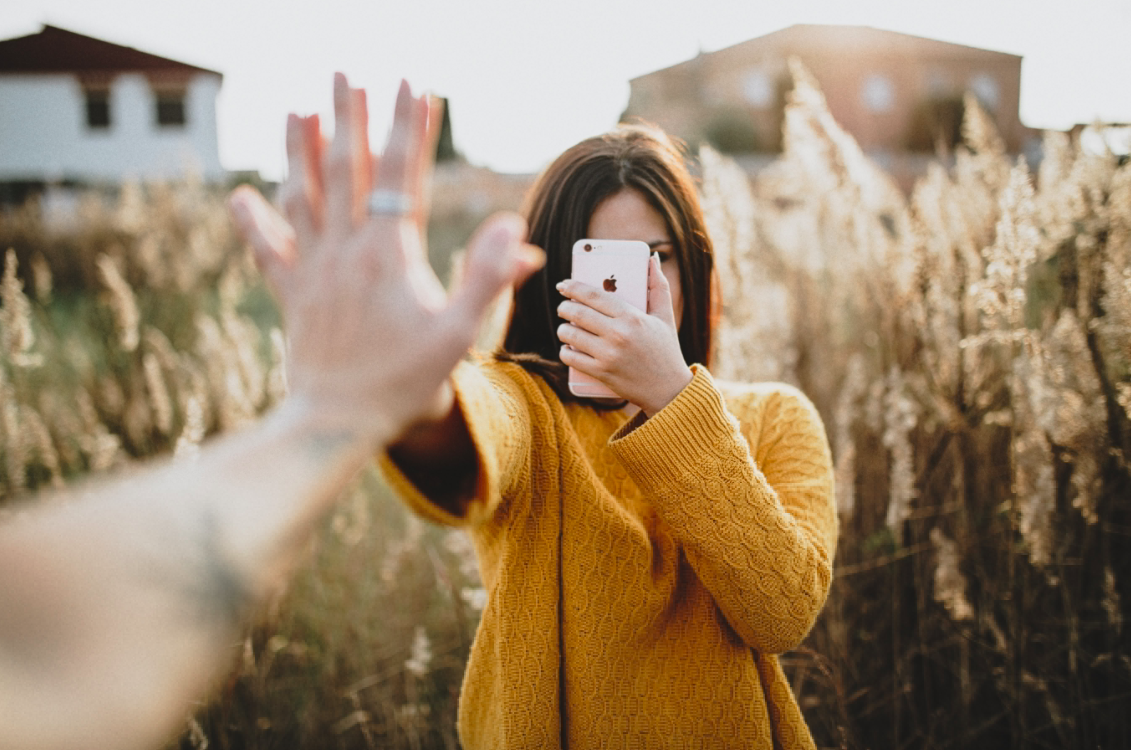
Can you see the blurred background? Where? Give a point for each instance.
(922, 217)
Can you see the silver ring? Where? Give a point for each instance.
(390, 202)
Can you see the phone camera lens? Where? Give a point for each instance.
(588, 247)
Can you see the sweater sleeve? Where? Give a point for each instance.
(496, 411)
(759, 530)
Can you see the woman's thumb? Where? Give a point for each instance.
(659, 293)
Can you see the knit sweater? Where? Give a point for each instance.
(642, 574)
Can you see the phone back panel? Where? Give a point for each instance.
(617, 266)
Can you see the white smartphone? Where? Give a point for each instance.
(617, 266)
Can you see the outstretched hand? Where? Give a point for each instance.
(372, 334)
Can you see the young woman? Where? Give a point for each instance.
(645, 558)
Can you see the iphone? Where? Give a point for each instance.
(619, 267)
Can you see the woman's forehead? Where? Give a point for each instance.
(628, 215)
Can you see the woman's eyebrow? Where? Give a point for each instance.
(656, 243)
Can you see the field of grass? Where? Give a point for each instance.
(969, 348)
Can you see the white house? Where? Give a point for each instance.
(74, 109)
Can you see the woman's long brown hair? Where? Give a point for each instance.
(558, 209)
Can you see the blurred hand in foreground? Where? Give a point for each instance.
(372, 336)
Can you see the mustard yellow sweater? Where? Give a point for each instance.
(641, 575)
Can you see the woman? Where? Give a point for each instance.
(645, 559)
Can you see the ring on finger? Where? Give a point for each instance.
(390, 202)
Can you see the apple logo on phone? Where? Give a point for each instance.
(610, 283)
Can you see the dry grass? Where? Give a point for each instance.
(970, 351)
(969, 348)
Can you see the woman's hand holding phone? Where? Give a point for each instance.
(634, 353)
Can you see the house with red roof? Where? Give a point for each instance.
(80, 110)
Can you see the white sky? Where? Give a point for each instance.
(527, 79)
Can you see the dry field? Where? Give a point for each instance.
(969, 348)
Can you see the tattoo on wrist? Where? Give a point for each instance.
(324, 443)
(206, 584)
(224, 594)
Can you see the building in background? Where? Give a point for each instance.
(893, 92)
(75, 110)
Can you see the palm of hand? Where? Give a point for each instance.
(372, 335)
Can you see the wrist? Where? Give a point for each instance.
(673, 389)
(329, 419)
(373, 422)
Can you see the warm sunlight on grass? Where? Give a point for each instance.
(969, 348)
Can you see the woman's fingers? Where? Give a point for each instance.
(579, 360)
(603, 302)
(586, 318)
(583, 341)
(659, 293)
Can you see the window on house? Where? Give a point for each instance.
(878, 93)
(171, 108)
(938, 83)
(758, 88)
(97, 108)
(986, 89)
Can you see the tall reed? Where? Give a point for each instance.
(969, 348)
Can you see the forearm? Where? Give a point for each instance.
(767, 574)
(117, 609)
(759, 535)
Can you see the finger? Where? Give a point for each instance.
(581, 340)
(402, 148)
(270, 237)
(581, 361)
(531, 258)
(361, 149)
(585, 317)
(314, 151)
(497, 258)
(300, 194)
(391, 176)
(603, 302)
(659, 293)
(421, 183)
(399, 171)
(345, 165)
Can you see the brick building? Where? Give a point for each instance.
(893, 92)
